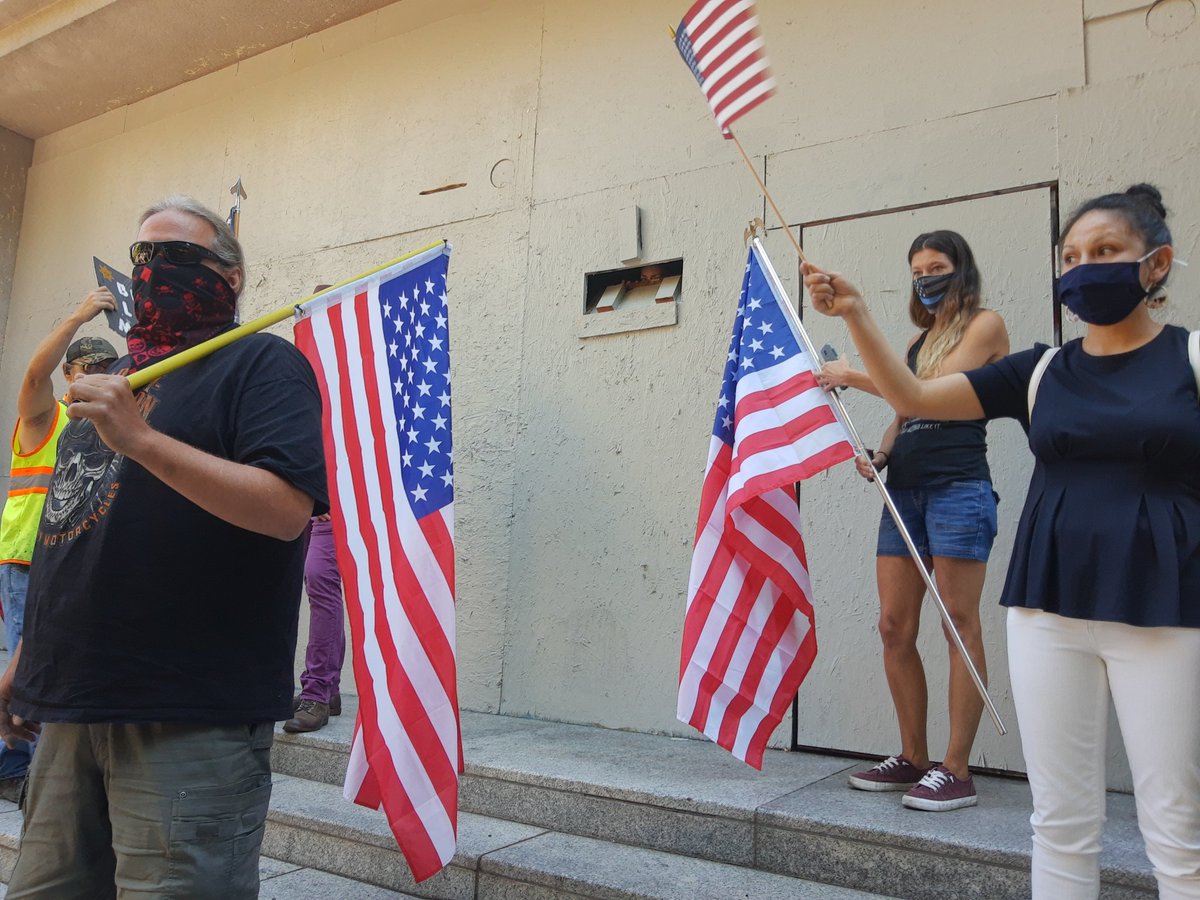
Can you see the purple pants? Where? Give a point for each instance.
(326, 634)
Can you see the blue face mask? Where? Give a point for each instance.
(1103, 293)
(932, 288)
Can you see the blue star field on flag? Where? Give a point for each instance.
(762, 336)
(688, 52)
(415, 332)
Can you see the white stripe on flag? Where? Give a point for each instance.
(406, 761)
(735, 84)
(357, 768)
(766, 461)
(434, 588)
(731, 110)
(782, 655)
(750, 48)
(773, 376)
(702, 33)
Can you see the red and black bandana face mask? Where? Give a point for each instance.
(176, 307)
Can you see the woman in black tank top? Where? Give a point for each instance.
(938, 476)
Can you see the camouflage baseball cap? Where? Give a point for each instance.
(90, 350)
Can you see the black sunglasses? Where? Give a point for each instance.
(180, 253)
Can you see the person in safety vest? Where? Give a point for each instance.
(40, 420)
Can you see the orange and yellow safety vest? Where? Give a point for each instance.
(27, 487)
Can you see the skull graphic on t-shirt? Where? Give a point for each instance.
(83, 461)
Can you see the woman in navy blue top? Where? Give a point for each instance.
(1103, 588)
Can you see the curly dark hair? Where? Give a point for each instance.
(1141, 206)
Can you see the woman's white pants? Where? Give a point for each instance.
(1062, 672)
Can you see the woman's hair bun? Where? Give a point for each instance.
(1150, 196)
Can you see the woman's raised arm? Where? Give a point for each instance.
(949, 397)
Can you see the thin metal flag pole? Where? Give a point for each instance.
(861, 450)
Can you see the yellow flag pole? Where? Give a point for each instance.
(143, 377)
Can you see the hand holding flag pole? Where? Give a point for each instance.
(719, 41)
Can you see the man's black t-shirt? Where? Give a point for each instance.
(143, 607)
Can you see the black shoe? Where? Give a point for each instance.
(311, 715)
(335, 704)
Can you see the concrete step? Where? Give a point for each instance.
(795, 818)
(282, 880)
(311, 823)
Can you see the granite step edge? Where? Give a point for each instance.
(315, 806)
(556, 864)
(480, 781)
(1114, 873)
(322, 759)
(501, 786)
(1006, 843)
(309, 824)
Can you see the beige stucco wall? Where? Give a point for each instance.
(579, 459)
(16, 153)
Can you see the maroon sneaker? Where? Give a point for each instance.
(893, 774)
(940, 791)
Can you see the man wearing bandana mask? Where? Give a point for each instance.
(162, 613)
(177, 306)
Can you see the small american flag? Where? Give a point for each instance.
(719, 41)
(748, 634)
(380, 348)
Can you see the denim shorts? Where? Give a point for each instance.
(956, 520)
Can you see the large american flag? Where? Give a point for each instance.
(719, 41)
(748, 634)
(381, 350)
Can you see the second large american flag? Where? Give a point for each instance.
(748, 634)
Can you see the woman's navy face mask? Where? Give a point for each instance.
(1104, 293)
